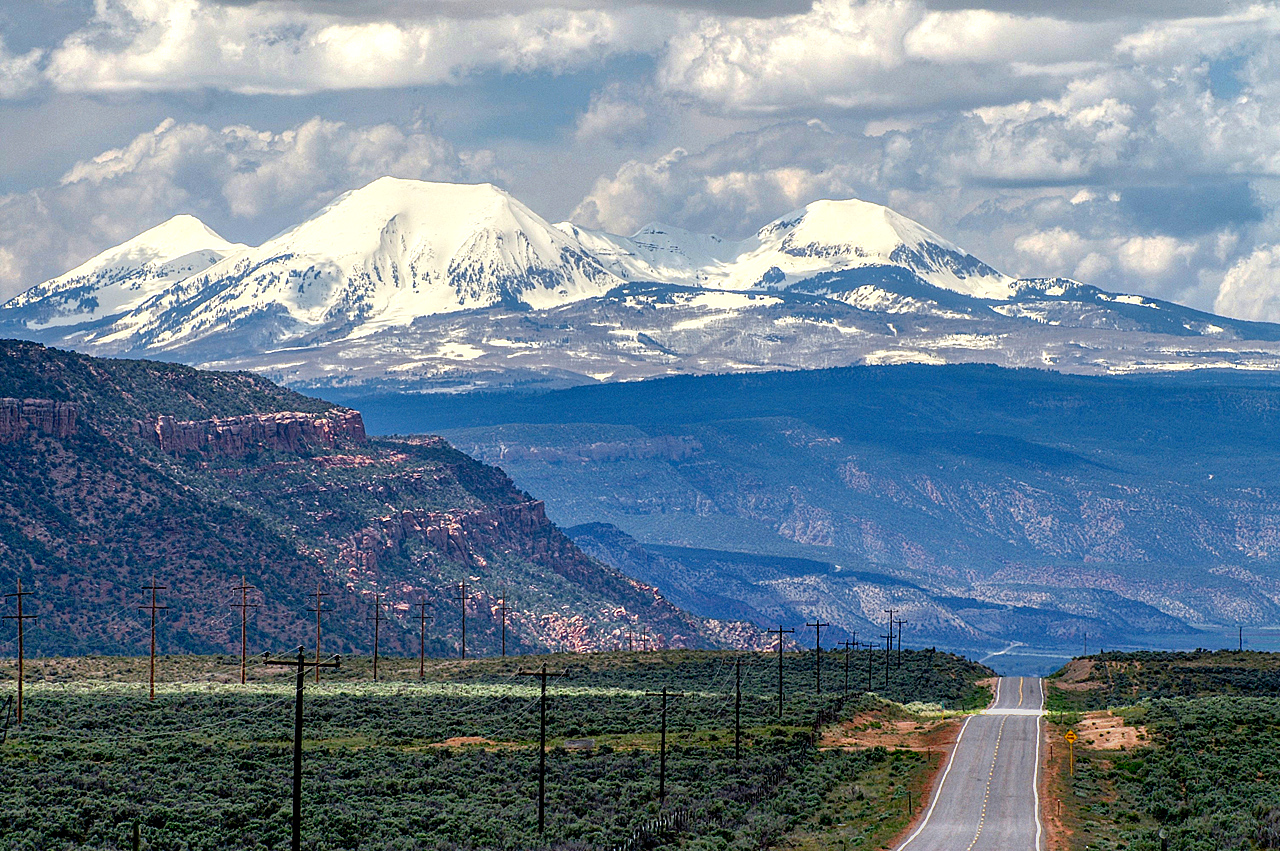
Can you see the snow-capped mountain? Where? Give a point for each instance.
(377, 257)
(422, 285)
(823, 237)
(120, 279)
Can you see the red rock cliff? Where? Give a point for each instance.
(19, 415)
(289, 431)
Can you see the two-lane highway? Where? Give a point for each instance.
(987, 798)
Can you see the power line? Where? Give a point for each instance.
(21, 619)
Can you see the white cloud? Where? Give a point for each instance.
(165, 45)
(18, 74)
(1251, 287)
(252, 180)
(616, 116)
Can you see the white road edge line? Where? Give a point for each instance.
(938, 792)
(1039, 736)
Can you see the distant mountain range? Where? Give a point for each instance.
(410, 285)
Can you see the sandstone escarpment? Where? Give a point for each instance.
(288, 431)
(18, 416)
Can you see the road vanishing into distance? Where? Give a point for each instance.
(987, 798)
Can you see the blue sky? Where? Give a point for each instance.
(1131, 145)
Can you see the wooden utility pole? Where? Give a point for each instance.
(302, 664)
(22, 650)
(244, 606)
(1241, 636)
(630, 645)
(887, 653)
(377, 624)
(503, 611)
(319, 610)
(737, 708)
(846, 645)
(871, 652)
(779, 632)
(817, 645)
(153, 588)
(899, 623)
(542, 747)
(662, 746)
(462, 604)
(423, 617)
(644, 638)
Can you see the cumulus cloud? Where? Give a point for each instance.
(256, 182)
(145, 45)
(1251, 287)
(18, 74)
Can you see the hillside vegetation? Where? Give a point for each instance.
(115, 473)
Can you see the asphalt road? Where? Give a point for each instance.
(987, 799)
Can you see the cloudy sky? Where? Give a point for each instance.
(1133, 145)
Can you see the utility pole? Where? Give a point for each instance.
(542, 747)
(153, 588)
(319, 609)
(423, 617)
(644, 638)
(817, 645)
(630, 646)
(503, 610)
(871, 652)
(889, 639)
(462, 603)
(888, 648)
(22, 652)
(302, 664)
(377, 623)
(780, 632)
(1241, 636)
(846, 645)
(244, 606)
(899, 623)
(737, 708)
(662, 747)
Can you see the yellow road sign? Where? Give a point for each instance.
(1070, 736)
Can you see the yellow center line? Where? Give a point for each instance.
(1019, 692)
(982, 817)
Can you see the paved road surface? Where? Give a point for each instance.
(987, 798)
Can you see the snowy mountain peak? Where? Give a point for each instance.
(122, 278)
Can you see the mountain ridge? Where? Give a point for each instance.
(455, 286)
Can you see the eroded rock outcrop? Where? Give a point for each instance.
(521, 528)
(18, 416)
(288, 431)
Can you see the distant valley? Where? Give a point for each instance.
(992, 507)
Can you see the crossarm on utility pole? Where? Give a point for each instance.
(301, 664)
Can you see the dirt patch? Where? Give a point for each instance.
(470, 741)
(1079, 675)
(1105, 731)
(873, 729)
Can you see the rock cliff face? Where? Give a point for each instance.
(461, 536)
(17, 416)
(288, 431)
